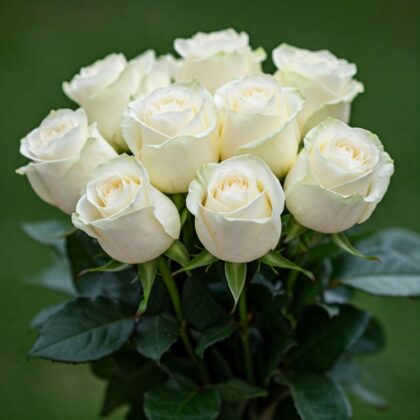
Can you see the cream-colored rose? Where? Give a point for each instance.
(260, 118)
(132, 220)
(217, 57)
(338, 178)
(64, 151)
(237, 206)
(324, 80)
(173, 131)
(105, 88)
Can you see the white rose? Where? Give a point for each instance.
(260, 118)
(64, 151)
(325, 81)
(173, 131)
(132, 220)
(237, 206)
(217, 57)
(338, 178)
(105, 87)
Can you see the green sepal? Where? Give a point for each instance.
(274, 259)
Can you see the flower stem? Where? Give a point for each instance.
(176, 302)
(245, 335)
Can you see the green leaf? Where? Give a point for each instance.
(199, 307)
(236, 390)
(201, 260)
(48, 232)
(398, 273)
(322, 340)
(56, 276)
(111, 266)
(178, 253)
(169, 403)
(155, 335)
(45, 314)
(367, 395)
(147, 276)
(292, 229)
(274, 259)
(318, 397)
(372, 340)
(214, 335)
(343, 243)
(235, 276)
(84, 330)
(128, 376)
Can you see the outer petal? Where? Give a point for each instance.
(279, 150)
(216, 70)
(317, 208)
(173, 164)
(46, 180)
(236, 236)
(134, 238)
(107, 107)
(323, 210)
(96, 151)
(338, 108)
(236, 240)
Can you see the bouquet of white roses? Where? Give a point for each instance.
(207, 269)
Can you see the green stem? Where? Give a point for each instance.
(176, 302)
(245, 336)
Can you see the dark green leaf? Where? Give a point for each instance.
(274, 259)
(169, 403)
(178, 253)
(214, 335)
(199, 307)
(341, 240)
(84, 330)
(237, 390)
(112, 285)
(181, 370)
(201, 260)
(354, 380)
(128, 375)
(372, 340)
(398, 273)
(56, 276)
(48, 232)
(111, 266)
(235, 276)
(275, 288)
(155, 335)
(285, 410)
(317, 397)
(147, 276)
(84, 252)
(292, 229)
(43, 316)
(322, 340)
(368, 396)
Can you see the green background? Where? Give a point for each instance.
(43, 43)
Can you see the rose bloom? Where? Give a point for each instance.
(132, 221)
(325, 81)
(217, 57)
(173, 131)
(339, 177)
(259, 117)
(105, 87)
(237, 206)
(64, 151)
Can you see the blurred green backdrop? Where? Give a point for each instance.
(43, 43)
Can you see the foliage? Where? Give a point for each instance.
(166, 340)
